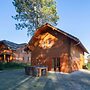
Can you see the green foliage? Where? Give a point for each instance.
(1, 65)
(31, 14)
(88, 65)
(88, 58)
(12, 65)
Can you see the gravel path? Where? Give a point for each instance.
(17, 80)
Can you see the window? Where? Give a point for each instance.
(28, 59)
(23, 58)
(49, 41)
(56, 62)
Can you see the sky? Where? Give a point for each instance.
(74, 19)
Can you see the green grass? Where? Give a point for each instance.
(88, 65)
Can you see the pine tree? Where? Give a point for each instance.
(31, 14)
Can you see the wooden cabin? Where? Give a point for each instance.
(6, 53)
(21, 55)
(56, 49)
(10, 51)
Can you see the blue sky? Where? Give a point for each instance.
(74, 19)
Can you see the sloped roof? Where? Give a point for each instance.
(60, 31)
(12, 45)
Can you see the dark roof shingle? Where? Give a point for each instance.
(12, 45)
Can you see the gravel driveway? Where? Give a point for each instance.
(17, 80)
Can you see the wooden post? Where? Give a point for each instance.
(11, 57)
(4, 57)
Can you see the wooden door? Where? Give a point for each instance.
(56, 63)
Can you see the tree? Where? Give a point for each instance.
(88, 58)
(31, 14)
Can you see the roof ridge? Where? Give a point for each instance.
(64, 33)
(12, 45)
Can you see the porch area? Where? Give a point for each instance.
(6, 57)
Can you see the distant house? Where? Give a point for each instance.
(22, 56)
(10, 51)
(56, 49)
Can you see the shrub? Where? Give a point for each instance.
(11, 65)
(88, 65)
(1, 65)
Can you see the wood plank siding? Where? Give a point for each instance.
(77, 57)
(10, 51)
(6, 54)
(56, 49)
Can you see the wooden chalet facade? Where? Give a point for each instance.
(6, 53)
(22, 56)
(10, 51)
(56, 49)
